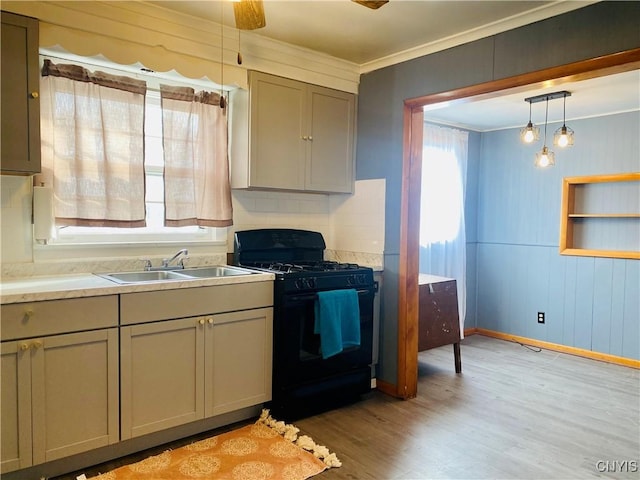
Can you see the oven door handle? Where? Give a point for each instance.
(313, 296)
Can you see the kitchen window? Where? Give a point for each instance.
(154, 170)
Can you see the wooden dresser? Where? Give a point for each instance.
(438, 315)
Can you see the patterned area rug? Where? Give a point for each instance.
(268, 449)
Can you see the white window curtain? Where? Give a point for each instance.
(442, 226)
(92, 129)
(196, 166)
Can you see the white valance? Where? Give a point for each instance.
(132, 32)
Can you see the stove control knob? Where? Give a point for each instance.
(311, 282)
(362, 278)
(299, 283)
(351, 280)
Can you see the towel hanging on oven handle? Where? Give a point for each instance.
(313, 296)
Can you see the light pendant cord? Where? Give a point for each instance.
(546, 116)
(529, 112)
(223, 103)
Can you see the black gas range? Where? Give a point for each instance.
(296, 257)
(303, 381)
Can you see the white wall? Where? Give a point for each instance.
(351, 223)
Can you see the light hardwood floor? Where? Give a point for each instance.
(513, 413)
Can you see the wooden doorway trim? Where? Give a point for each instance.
(407, 375)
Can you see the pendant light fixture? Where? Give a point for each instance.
(530, 133)
(563, 137)
(546, 158)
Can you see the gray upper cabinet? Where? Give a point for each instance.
(20, 96)
(289, 135)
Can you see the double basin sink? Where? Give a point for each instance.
(178, 274)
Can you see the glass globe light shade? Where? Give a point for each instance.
(563, 137)
(546, 158)
(529, 134)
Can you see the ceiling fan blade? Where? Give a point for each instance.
(249, 14)
(374, 4)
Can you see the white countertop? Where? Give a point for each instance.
(37, 288)
(427, 278)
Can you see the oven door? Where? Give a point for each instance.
(297, 356)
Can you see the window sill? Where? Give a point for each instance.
(130, 250)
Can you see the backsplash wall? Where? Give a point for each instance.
(352, 225)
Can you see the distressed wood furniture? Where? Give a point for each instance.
(439, 322)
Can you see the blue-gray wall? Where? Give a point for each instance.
(590, 303)
(589, 32)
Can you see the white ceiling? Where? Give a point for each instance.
(352, 32)
(589, 98)
(404, 29)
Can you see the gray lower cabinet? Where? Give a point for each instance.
(84, 373)
(162, 375)
(193, 353)
(178, 371)
(59, 379)
(238, 352)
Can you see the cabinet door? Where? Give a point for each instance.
(278, 112)
(20, 110)
(239, 358)
(74, 393)
(330, 143)
(162, 375)
(15, 408)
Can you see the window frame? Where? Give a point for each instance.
(104, 236)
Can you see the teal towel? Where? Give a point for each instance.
(337, 320)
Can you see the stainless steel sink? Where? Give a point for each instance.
(208, 272)
(173, 275)
(141, 277)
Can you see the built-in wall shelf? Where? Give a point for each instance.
(601, 216)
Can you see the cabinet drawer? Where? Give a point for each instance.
(50, 317)
(190, 302)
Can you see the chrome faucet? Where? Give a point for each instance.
(167, 262)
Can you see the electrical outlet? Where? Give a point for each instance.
(540, 317)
